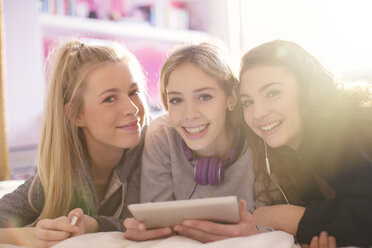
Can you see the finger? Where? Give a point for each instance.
(59, 224)
(50, 235)
(243, 213)
(197, 234)
(305, 246)
(211, 227)
(323, 240)
(228, 230)
(133, 234)
(332, 242)
(314, 242)
(132, 223)
(78, 212)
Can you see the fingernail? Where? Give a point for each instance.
(186, 223)
(177, 228)
(141, 226)
(324, 234)
(315, 238)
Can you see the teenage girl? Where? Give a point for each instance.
(196, 150)
(89, 151)
(313, 141)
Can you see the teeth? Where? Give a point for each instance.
(270, 126)
(195, 130)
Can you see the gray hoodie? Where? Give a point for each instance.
(15, 209)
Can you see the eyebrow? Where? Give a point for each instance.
(261, 89)
(195, 91)
(114, 90)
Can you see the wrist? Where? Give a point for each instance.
(279, 217)
(92, 225)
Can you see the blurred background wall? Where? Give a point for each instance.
(337, 32)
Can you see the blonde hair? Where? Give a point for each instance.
(62, 149)
(213, 61)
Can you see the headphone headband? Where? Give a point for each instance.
(210, 170)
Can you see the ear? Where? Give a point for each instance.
(232, 100)
(68, 108)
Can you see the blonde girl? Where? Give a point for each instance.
(89, 151)
(198, 90)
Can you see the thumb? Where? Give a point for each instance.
(245, 215)
(132, 223)
(78, 212)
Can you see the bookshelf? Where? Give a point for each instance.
(56, 25)
(30, 33)
(148, 37)
(170, 14)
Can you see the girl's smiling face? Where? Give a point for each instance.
(270, 99)
(112, 109)
(197, 108)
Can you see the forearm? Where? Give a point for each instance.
(16, 236)
(279, 217)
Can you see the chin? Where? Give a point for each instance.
(195, 147)
(130, 142)
(274, 143)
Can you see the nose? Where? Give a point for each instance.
(130, 108)
(260, 110)
(191, 111)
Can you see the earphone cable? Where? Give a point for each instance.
(193, 191)
(269, 173)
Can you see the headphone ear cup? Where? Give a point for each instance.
(217, 172)
(208, 170)
(201, 171)
(213, 177)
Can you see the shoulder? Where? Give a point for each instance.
(161, 122)
(160, 130)
(245, 152)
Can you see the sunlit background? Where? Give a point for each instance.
(337, 32)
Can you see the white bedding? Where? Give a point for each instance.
(275, 239)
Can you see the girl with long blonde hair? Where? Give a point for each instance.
(89, 152)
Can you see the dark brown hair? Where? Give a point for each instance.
(321, 99)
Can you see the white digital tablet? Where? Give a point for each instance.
(169, 213)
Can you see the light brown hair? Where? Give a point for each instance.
(213, 61)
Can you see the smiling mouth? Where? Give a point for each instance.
(195, 130)
(134, 125)
(271, 126)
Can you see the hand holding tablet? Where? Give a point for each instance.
(170, 213)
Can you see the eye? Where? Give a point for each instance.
(134, 92)
(109, 99)
(247, 103)
(205, 97)
(273, 93)
(175, 100)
